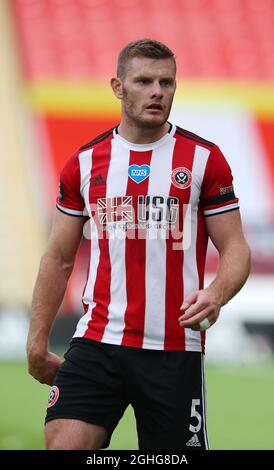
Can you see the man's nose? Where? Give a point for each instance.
(156, 90)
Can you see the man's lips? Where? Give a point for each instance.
(155, 106)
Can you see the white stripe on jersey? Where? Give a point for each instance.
(159, 183)
(204, 404)
(217, 210)
(190, 270)
(85, 162)
(69, 211)
(116, 185)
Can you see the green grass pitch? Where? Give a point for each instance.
(240, 409)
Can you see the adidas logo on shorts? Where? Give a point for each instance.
(194, 441)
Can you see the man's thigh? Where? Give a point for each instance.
(72, 434)
(168, 397)
(88, 389)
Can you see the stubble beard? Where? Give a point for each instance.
(142, 122)
(137, 120)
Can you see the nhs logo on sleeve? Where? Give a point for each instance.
(138, 173)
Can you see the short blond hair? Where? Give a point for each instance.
(143, 48)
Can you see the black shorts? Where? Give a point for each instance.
(97, 381)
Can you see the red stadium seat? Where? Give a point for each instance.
(79, 39)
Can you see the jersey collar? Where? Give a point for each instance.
(145, 147)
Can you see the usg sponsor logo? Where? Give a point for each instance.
(148, 208)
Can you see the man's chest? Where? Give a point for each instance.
(142, 187)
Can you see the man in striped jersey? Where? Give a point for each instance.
(152, 194)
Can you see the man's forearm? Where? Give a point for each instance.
(233, 271)
(48, 294)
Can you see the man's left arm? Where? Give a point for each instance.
(225, 231)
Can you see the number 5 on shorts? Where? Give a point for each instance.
(195, 414)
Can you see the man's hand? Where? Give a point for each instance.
(200, 305)
(44, 368)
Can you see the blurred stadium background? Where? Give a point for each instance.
(56, 59)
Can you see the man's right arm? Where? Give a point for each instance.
(55, 269)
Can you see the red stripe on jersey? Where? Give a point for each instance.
(101, 296)
(70, 179)
(136, 264)
(175, 258)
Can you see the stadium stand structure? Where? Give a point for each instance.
(75, 39)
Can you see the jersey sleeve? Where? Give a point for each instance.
(70, 200)
(217, 192)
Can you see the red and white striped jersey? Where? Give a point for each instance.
(146, 206)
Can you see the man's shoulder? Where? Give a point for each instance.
(97, 140)
(195, 138)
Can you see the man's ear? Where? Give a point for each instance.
(117, 87)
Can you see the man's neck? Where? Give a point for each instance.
(137, 135)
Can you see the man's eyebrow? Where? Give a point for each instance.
(170, 79)
(148, 77)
